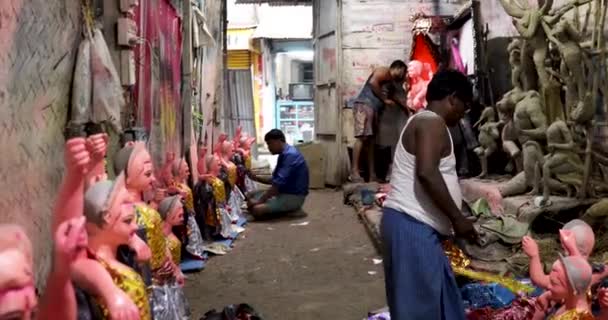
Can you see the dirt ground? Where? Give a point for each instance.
(318, 271)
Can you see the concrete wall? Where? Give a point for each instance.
(375, 33)
(212, 89)
(38, 44)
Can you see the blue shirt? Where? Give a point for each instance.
(291, 173)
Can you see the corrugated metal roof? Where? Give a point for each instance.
(277, 2)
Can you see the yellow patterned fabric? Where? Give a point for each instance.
(460, 262)
(131, 283)
(219, 192)
(574, 315)
(175, 247)
(232, 174)
(248, 162)
(219, 195)
(189, 198)
(150, 220)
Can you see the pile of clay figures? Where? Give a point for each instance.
(122, 245)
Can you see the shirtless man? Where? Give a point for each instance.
(366, 106)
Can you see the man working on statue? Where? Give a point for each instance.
(423, 208)
(288, 184)
(374, 96)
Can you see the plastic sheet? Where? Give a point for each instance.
(82, 85)
(169, 303)
(108, 97)
(477, 295)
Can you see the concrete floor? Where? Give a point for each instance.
(321, 271)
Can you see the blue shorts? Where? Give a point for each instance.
(420, 284)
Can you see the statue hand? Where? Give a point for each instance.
(142, 251)
(530, 247)
(70, 240)
(76, 156)
(568, 241)
(602, 297)
(202, 153)
(97, 146)
(121, 307)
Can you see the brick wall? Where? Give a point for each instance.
(38, 43)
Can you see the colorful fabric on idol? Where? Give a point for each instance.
(150, 221)
(195, 244)
(222, 211)
(239, 160)
(205, 209)
(573, 315)
(131, 283)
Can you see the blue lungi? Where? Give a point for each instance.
(420, 284)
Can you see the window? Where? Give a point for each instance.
(307, 72)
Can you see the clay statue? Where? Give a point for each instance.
(111, 222)
(570, 278)
(563, 162)
(419, 75)
(566, 38)
(180, 173)
(576, 237)
(217, 149)
(530, 126)
(529, 119)
(514, 50)
(242, 159)
(235, 198)
(488, 134)
(217, 216)
(18, 299)
(506, 109)
(527, 21)
(84, 160)
(135, 161)
(172, 212)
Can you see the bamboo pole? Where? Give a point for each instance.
(599, 43)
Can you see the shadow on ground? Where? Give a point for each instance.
(317, 271)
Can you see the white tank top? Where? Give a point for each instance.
(407, 194)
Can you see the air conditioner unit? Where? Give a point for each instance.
(301, 91)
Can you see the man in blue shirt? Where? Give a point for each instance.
(289, 181)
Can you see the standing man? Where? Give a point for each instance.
(423, 208)
(371, 100)
(288, 184)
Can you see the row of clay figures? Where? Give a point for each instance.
(117, 253)
(547, 140)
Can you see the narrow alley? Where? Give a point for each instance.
(288, 269)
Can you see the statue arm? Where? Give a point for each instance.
(537, 274)
(573, 33)
(546, 7)
(568, 141)
(89, 275)
(512, 9)
(534, 21)
(59, 298)
(539, 121)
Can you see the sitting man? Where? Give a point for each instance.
(289, 181)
